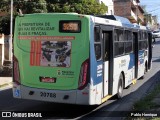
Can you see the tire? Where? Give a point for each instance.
(145, 71)
(146, 68)
(120, 87)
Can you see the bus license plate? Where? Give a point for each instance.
(46, 94)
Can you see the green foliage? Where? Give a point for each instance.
(91, 7)
(35, 6)
(4, 5)
(5, 25)
(146, 103)
(30, 6)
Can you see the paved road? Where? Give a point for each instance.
(133, 93)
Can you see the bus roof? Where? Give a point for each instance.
(118, 21)
(101, 19)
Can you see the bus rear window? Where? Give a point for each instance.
(70, 26)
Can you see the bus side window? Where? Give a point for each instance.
(96, 34)
(97, 43)
(107, 37)
(118, 42)
(128, 42)
(97, 48)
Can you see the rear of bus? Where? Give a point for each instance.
(51, 57)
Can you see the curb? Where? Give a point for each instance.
(5, 81)
(6, 86)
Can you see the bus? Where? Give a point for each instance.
(77, 59)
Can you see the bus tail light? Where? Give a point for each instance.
(16, 74)
(84, 75)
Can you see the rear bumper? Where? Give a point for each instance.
(156, 36)
(57, 96)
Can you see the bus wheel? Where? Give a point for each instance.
(120, 87)
(146, 68)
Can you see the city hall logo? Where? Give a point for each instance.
(59, 72)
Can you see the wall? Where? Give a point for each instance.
(122, 8)
(1, 49)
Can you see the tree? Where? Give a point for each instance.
(5, 25)
(32, 6)
(4, 5)
(91, 7)
(5, 20)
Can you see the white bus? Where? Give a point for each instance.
(77, 59)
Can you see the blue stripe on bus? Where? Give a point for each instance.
(141, 56)
(96, 79)
(132, 61)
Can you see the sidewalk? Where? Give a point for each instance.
(5, 80)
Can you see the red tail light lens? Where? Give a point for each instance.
(84, 75)
(16, 75)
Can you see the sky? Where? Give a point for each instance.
(152, 7)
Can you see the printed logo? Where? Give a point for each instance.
(59, 72)
(17, 93)
(6, 114)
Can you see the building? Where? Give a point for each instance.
(151, 21)
(129, 9)
(154, 25)
(109, 4)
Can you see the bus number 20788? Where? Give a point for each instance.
(46, 94)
